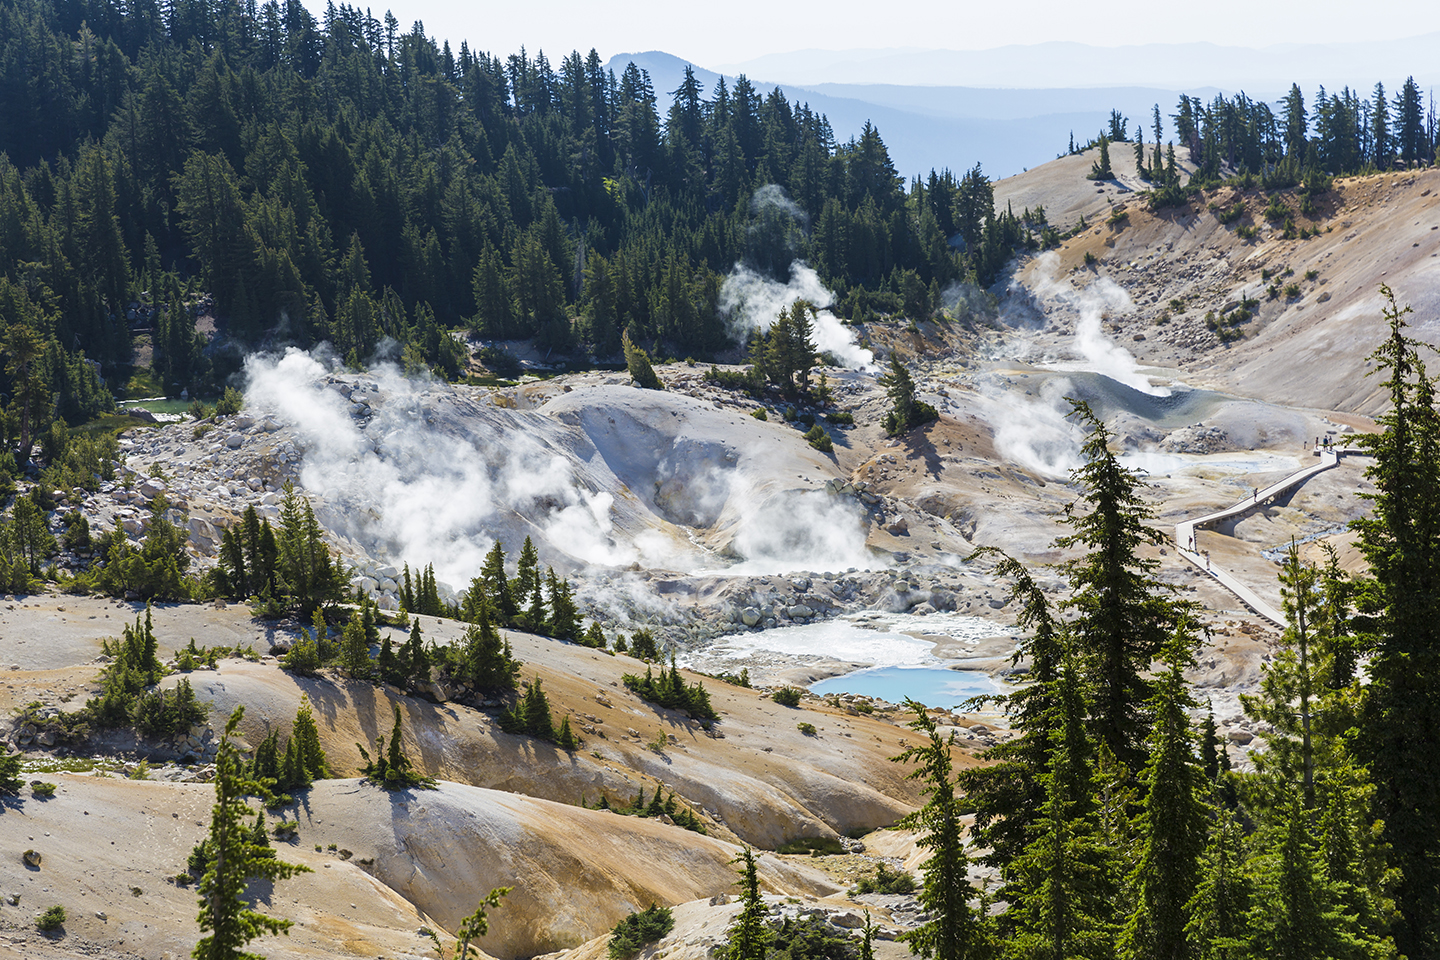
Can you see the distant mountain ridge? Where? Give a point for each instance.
(1071, 65)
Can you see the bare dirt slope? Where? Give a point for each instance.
(400, 862)
(1308, 343)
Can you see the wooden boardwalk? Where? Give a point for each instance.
(1185, 532)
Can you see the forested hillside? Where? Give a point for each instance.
(350, 181)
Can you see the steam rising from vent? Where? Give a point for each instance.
(1036, 434)
(751, 301)
(423, 494)
(1101, 298)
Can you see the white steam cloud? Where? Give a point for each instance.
(421, 486)
(751, 301)
(1099, 299)
(1036, 434)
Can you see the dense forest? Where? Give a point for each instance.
(349, 181)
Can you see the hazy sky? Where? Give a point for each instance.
(737, 30)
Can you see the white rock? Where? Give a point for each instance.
(234, 441)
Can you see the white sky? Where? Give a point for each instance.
(738, 30)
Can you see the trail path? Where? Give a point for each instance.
(1185, 532)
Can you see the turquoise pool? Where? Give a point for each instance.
(932, 686)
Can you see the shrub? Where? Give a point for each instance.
(52, 919)
(787, 696)
(1292, 290)
(841, 416)
(42, 790)
(814, 845)
(806, 728)
(229, 403)
(759, 414)
(638, 930)
(669, 690)
(885, 880)
(819, 439)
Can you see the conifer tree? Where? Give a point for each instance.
(1218, 928)
(1294, 915)
(496, 586)
(306, 737)
(955, 931)
(564, 617)
(1100, 169)
(235, 859)
(413, 663)
(1007, 792)
(1292, 683)
(1123, 619)
(1063, 886)
(637, 361)
(749, 936)
(1172, 825)
(1401, 541)
(355, 659)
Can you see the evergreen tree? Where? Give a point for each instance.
(1218, 928)
(906, 410)
(1401, 542)
(235, 859)
(306, 737)
(1100, 169)
(637, 361)
(1008, 792)
(495, 585)
(355, 659)
(1063, 886)
(955, 931)
(1172, 824)
(1292, 683)
(564, 617)
(749, 936)
(1122, 620)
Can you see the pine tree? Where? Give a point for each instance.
(906, 410)
(1292, 683)
(1218, 928)
(1100, 169)
(235, 859)
(1401, 541)
(1008, 791)
(496, 587)
(306, 737)
(955, 931)
(1063, 886)
(749, 936)
(1172, 823)
(355, 659)
(1291, 918)
(637, 361)
(1122, 619)
(564, 617)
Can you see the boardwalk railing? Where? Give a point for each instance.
(1185, 532)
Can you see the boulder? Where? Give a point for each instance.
(234, 441)
(800, 611)
(750, 616)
